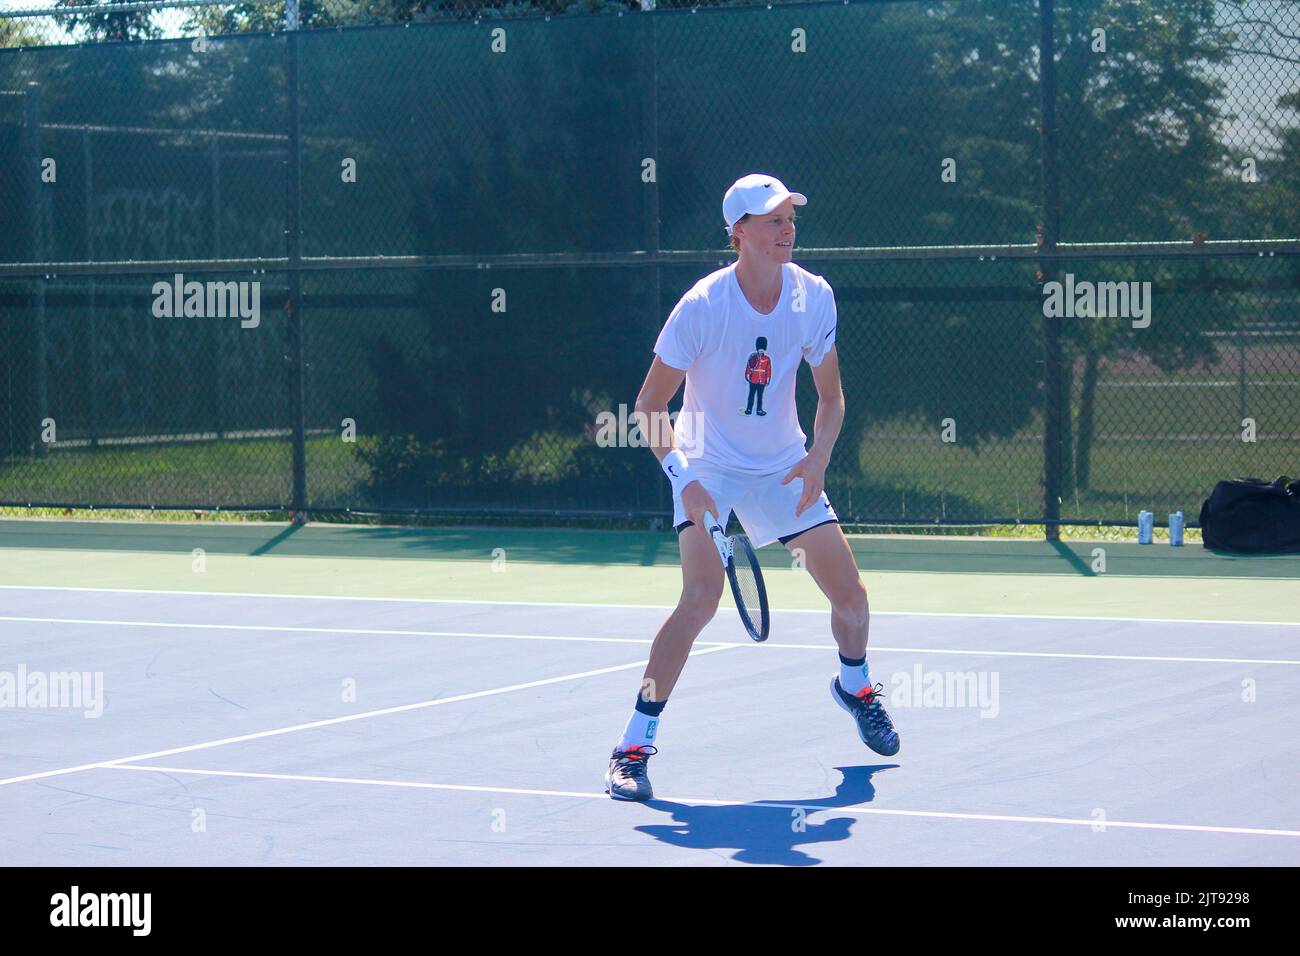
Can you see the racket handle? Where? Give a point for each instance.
(719, 536)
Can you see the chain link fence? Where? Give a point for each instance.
(434, 245)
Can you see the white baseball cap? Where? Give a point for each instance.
(756, 193)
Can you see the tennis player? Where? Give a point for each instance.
(736, 334)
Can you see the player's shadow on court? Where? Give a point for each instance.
(771, 832)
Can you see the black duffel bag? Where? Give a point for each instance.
(1252, 516)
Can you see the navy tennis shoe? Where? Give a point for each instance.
(868, 712)
(626, 778)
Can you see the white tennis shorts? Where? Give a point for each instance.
(764, 506)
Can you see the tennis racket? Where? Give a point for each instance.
(746, 579)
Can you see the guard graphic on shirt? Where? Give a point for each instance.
(758, 373)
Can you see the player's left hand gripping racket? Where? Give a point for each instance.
(746, 579)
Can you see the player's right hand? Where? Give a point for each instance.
(695, 501)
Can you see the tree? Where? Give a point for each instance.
(1143, 154)
(109, 26)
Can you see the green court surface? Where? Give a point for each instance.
(565, 566)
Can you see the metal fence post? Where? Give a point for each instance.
(292, 216)
(218, 371)
(92, 325)
(1052, 373)
(1241, 375)
(650, 202)
(36, 243)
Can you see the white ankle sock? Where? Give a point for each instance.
(853, 678)
(640, 731)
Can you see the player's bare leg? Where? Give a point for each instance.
(703, 578)
(829, 559)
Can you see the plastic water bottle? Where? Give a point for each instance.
(1176, 529)
(1146, 520)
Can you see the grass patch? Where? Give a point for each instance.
(225, 474)
(923, 477)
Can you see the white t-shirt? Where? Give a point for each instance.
(715, 335)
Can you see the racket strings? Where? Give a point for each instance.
(748, 593)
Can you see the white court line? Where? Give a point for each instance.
(436, 702)
(1090, 657)
(643, 607)
(384, 632)
(809, 807)
(970, 652)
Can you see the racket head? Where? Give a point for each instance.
(747, 588)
